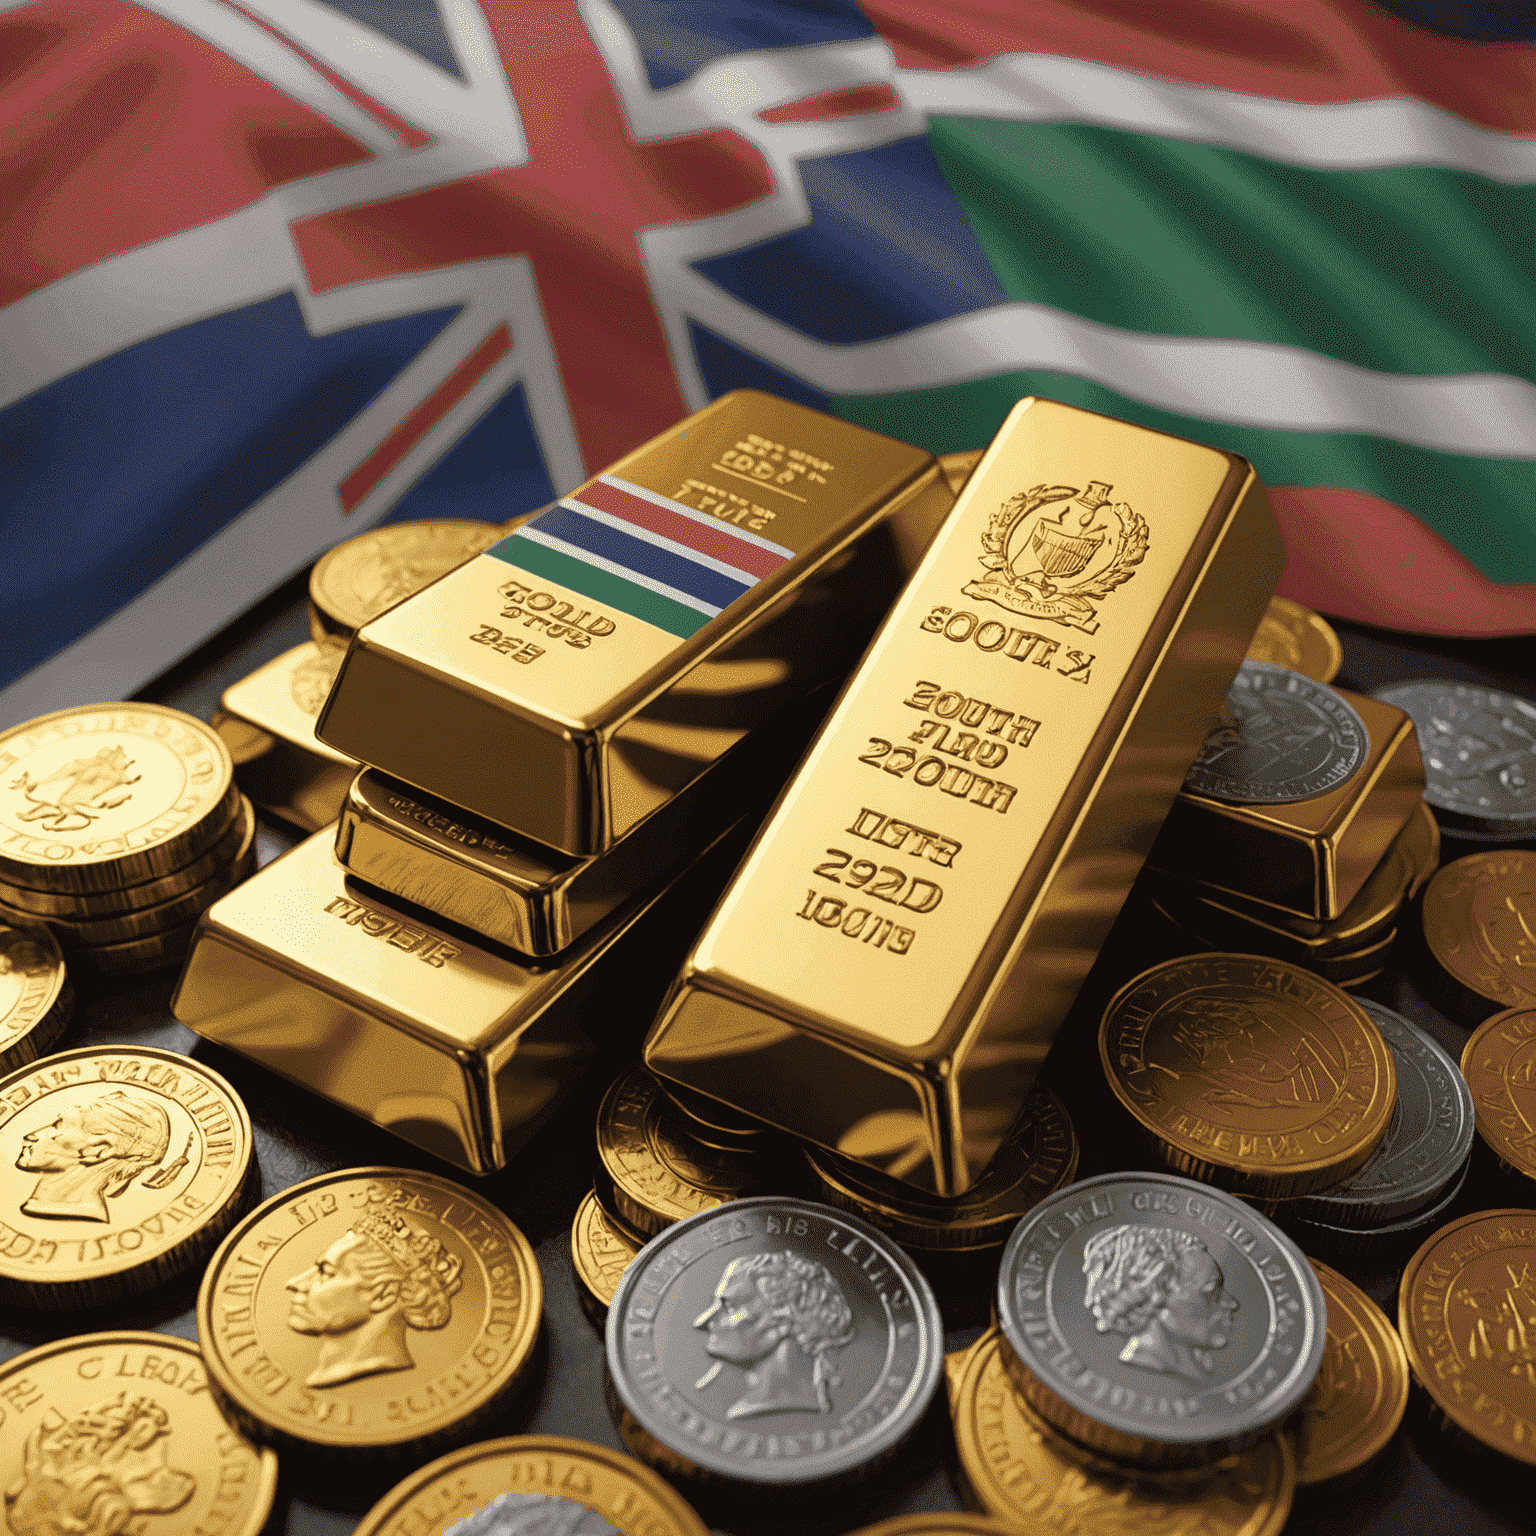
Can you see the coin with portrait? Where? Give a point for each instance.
(1017, 1468)
(36, 996)
(120, 1168)
(1293, 636)
(369, 1308)
(1283, 737)
(1160, 1321)
(115, 1433)
(773, 1344)
(1480, 930)
(532, 1485)
(1499, 1064)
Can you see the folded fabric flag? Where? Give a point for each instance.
(274, 271)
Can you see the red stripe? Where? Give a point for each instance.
(1334, 544)
(1294, 50)
(717, 542)
(426, 416)
(848, 102)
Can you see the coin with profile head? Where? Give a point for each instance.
(369, 1309)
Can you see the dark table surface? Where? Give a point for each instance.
(1419, 1484)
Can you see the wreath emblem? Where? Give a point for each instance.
(1060, 567)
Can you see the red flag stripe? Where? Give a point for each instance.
(717, 542)
(848, 102)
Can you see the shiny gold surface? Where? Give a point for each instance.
(267, 721)
(119, 1428)
(1310, 858)
(1361, 1391)
(1018, 1469)
(937, 1523)
(107, 795)
(550, 1478)
(891, 963)
(958, 467)
(369, 1308)
(1464, 1312)
(367, 575)
(601, 1251)
(1499, 1064)
(606, 715)
(119, 1169)
(1249, 1073)
(459, 1047)
(1292, 635)
(1480, 927)
(36, 995)
(137, 957)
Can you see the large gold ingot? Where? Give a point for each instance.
(568, 697)
(1309, 858)
(460, 1048)
(889, 967)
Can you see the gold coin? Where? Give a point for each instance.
(369, 1308)
(136, 957)
(36, 996)
(149, 893)
(1499, 1064)
(360, 579)
(958, 467)
(1465, 1311)
(118, 1433)
(654, 1172)
(1361, 1390)
(1480, 927)
(1290, 635)
(1250, 1073)
(535, 1484)
(1018, 1469)
(937, 1523)
(600, 1250)
(1038, 1158)
(119, 1169)
(107, 795)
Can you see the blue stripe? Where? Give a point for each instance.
(637, 555)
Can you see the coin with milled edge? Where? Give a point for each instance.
(371, 1308)
(1428, 1139)
(1465, 1309)
(119, 1169)
(1017, 1468)
(775, 1345)
(600, 1251)
(532, 1485)
(360, 579)
(1158, 1320)
(1373, 1244)
(1479, 749)
(36, 995)
(1249, 1072)
(1499, 1065)
(117, 1432)
(1292, 636)
(1283, 737)
(1480, 930)
(1361, 1391)
(106, 795)
(1039, 1156)
(936, 1523)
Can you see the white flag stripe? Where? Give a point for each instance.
(699, 517)
(549, 541)
(671, 546)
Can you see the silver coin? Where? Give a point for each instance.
(775, 1343)
(1479, 751)
(1428, 1140)
(1159, 1320)
(1329, 1241)
(1282, 737)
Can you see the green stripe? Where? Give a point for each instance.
(1403, 269)
(1479, 505)
(601, 586)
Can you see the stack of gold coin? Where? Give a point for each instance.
(119, 825)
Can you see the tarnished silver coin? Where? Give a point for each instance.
(1479, 751)
(772, 1345)
(1282, 737)
(1158, 1320)
(1428, 1140)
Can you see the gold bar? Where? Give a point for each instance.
(455, 1045)
(1308, 859)
(890, 964)
(569, 701)
(267, 721)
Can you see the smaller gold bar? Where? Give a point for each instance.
(267, 721)
(1308, 859)
(457, 1046)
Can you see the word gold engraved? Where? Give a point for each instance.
(557, 617)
